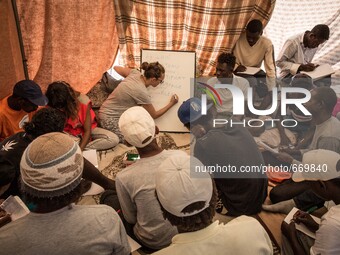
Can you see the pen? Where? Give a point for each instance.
(312, 209)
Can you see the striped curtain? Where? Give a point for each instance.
(208, 27)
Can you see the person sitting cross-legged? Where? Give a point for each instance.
(326, 136)
(325, 184)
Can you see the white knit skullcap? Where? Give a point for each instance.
(52, 165)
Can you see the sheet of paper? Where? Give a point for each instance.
(300, 226)
(15, 206)
(251, 70)
(266, 147)
(133, 244)
(91, 155)
(320, 72)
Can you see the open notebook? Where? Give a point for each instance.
(15, 207)
(300, 226)
(251, 70)
(320, 72)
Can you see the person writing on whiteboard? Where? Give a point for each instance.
(298, 51)
(132, 91)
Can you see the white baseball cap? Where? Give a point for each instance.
(137, 126)
(322, 166)
(176, 189)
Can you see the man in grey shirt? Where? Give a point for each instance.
(51, 169)
(136, 184)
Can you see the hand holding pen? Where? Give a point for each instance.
(174, 99)
(306, 219)
(240, 68)
(308, 67)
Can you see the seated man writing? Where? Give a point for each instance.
(298, 51)
(252, 49)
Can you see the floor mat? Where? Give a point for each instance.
(165, 141)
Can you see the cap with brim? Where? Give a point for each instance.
(137, 126)
(190, 110)
(318, 165)
(31, 91)
(176, 189)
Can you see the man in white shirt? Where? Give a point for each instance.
(224, 75)
(188, 199)
(325, 184)
(298, 51)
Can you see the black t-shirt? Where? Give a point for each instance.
(11, 150)
(234, 149)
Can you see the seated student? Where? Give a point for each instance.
(44, 121)
(224, 75)
(303, 121)
(298, 51)
(230, 147)
(251, 50)
(326, 136)
(188, 201)
(325, 184)
(18, 108)
(51, 169)
(132, 91)
(136, 184)
(81, 120)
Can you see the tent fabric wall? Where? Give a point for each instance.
(208, 27)
(75, 41)
(11, 67)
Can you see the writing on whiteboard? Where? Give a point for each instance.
(180, 69)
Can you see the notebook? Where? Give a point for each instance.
(301, 227)
(320, 72)
(251, 70)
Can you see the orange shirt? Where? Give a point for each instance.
(11, 121)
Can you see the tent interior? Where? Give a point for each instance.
(78, 41)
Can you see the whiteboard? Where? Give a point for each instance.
(180, 69)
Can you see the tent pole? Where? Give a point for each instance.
(22, 50)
